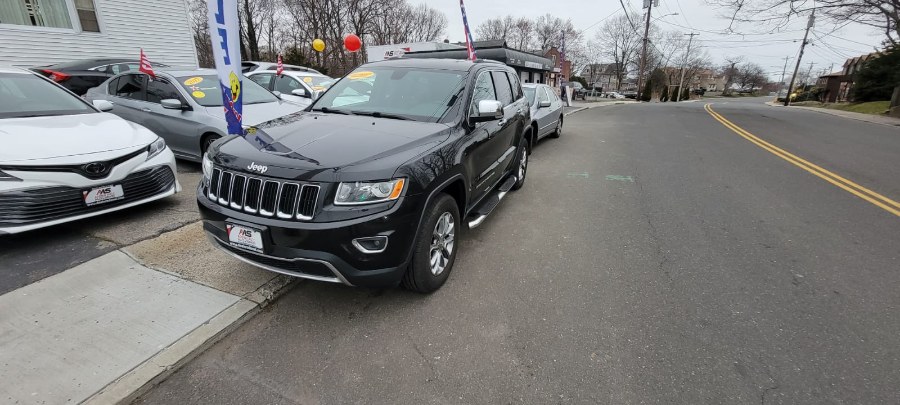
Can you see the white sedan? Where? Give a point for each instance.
(294, 86)
(63, 159)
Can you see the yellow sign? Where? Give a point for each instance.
(192, 81)
(235, 86)
(307, 79)
(360, 75)
(198, 94)
(318, 88)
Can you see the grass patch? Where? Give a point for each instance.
(871, 107)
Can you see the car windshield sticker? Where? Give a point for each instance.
(307, 79)
(360, 75)
(198, 94)
(318, 88)
(192, 81)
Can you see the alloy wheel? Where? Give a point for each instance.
(442, 242)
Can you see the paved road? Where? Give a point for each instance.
(654, 256)
(32, 256)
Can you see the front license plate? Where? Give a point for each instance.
(245, 237)
(102, 195)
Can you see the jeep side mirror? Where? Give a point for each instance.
(487, 110)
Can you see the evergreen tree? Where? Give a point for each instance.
(878, 77)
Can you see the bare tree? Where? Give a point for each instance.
(750, 76)
(618, 42)
(730, 71)
(500, 28)
(883, 15)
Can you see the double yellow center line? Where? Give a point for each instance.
(879, 200)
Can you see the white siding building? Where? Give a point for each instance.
(42, 32)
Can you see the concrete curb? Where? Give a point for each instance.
(156, 369)
(604, 104)
(877, 119)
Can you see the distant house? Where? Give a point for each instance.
(41, 32)
(851, 67)
(831, 87)
(708, 79)
(602, 75)
(561, 71)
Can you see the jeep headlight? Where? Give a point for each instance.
(155, 148)
(369, 192)
(207, 168)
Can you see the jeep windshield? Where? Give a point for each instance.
(396, 93)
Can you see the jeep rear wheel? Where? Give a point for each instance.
(435, 246)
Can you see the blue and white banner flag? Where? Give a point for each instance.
(224, 32)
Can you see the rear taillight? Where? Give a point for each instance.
(56, 76)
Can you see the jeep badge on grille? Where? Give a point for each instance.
(257, 168)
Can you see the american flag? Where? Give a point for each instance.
(146, 67)
(280, 69)
(470, 47)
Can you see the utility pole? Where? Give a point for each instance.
(687, 54)
(640, 88)
(812, 20)
(784, 71)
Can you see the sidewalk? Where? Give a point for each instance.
(585, 105)
(875, 119)
(106, 330)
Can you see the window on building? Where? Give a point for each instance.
(87, 15)
(36, 13)
(49, 13)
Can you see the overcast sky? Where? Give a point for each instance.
(693, 15)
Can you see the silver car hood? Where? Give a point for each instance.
(254, 114)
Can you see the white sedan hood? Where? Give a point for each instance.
(67, 138)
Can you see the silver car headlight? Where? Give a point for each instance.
(357, 193)
(207, 168)
(155, 148)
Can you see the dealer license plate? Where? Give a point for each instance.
(245, 237)
(102, 195)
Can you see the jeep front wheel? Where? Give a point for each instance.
(435, 246)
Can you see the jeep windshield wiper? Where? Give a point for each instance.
(377, 114)
(331, 111)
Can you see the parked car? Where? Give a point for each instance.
(81, 75)
(699, 91)
(248, 66)
(376, 191)
(630, 94)
(63, 159)
(546, 111)
(185, 106)
(578, 91)
(614, 94)
(299, 87)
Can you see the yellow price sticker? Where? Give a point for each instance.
(192, 81)
(360, 75)
(198, 94)
(307, 79)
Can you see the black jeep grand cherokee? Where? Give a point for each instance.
(369, 186)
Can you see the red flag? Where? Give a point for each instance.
(280, 69)
(145, 65)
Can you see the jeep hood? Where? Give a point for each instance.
(305, 145)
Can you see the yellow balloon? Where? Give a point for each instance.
(318, 45)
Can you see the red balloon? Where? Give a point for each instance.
(352, 43)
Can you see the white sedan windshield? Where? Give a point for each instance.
(26, 95)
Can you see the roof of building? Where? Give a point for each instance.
(444, 63)
(490, 50)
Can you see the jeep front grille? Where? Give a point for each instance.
(263, 197)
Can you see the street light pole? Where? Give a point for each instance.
(686, 55)
(787, 97)
(644, 51)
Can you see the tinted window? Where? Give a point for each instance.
(501, 84)
(129, 86)
(484, 90)
(264, 80)
(516, 86)
(286, 84)
(123, 67)
(159, 89)
(26, 95)
(113, 85)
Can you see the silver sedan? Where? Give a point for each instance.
(184, 107)
(546, 110)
